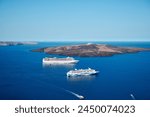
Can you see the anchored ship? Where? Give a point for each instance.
(54, 60)
(82, 72)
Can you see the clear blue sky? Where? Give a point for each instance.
(74, 20)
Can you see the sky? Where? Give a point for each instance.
(75, 20)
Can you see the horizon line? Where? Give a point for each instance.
(76, 41)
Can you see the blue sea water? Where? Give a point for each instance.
(23, 77)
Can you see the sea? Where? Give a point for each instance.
(121, 77)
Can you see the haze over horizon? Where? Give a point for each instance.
(75, 20)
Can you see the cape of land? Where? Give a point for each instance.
(12, 43)
(89, 50)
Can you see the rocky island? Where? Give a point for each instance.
(12, 43)
(87, 50)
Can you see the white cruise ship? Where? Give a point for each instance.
(82, 72)
(54, 60)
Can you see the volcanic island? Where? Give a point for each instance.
(89, 50)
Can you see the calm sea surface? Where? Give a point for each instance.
(22, 75)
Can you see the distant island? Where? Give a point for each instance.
(89, 50)
(13, 43)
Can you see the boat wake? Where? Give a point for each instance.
(75, 94)
(132, 96)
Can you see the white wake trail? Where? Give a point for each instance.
(75, 94)
(132, 96)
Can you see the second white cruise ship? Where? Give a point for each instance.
(54, 60)
(82, 72)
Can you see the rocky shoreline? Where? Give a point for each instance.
(89, 50)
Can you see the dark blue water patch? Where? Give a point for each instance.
(23, 76)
